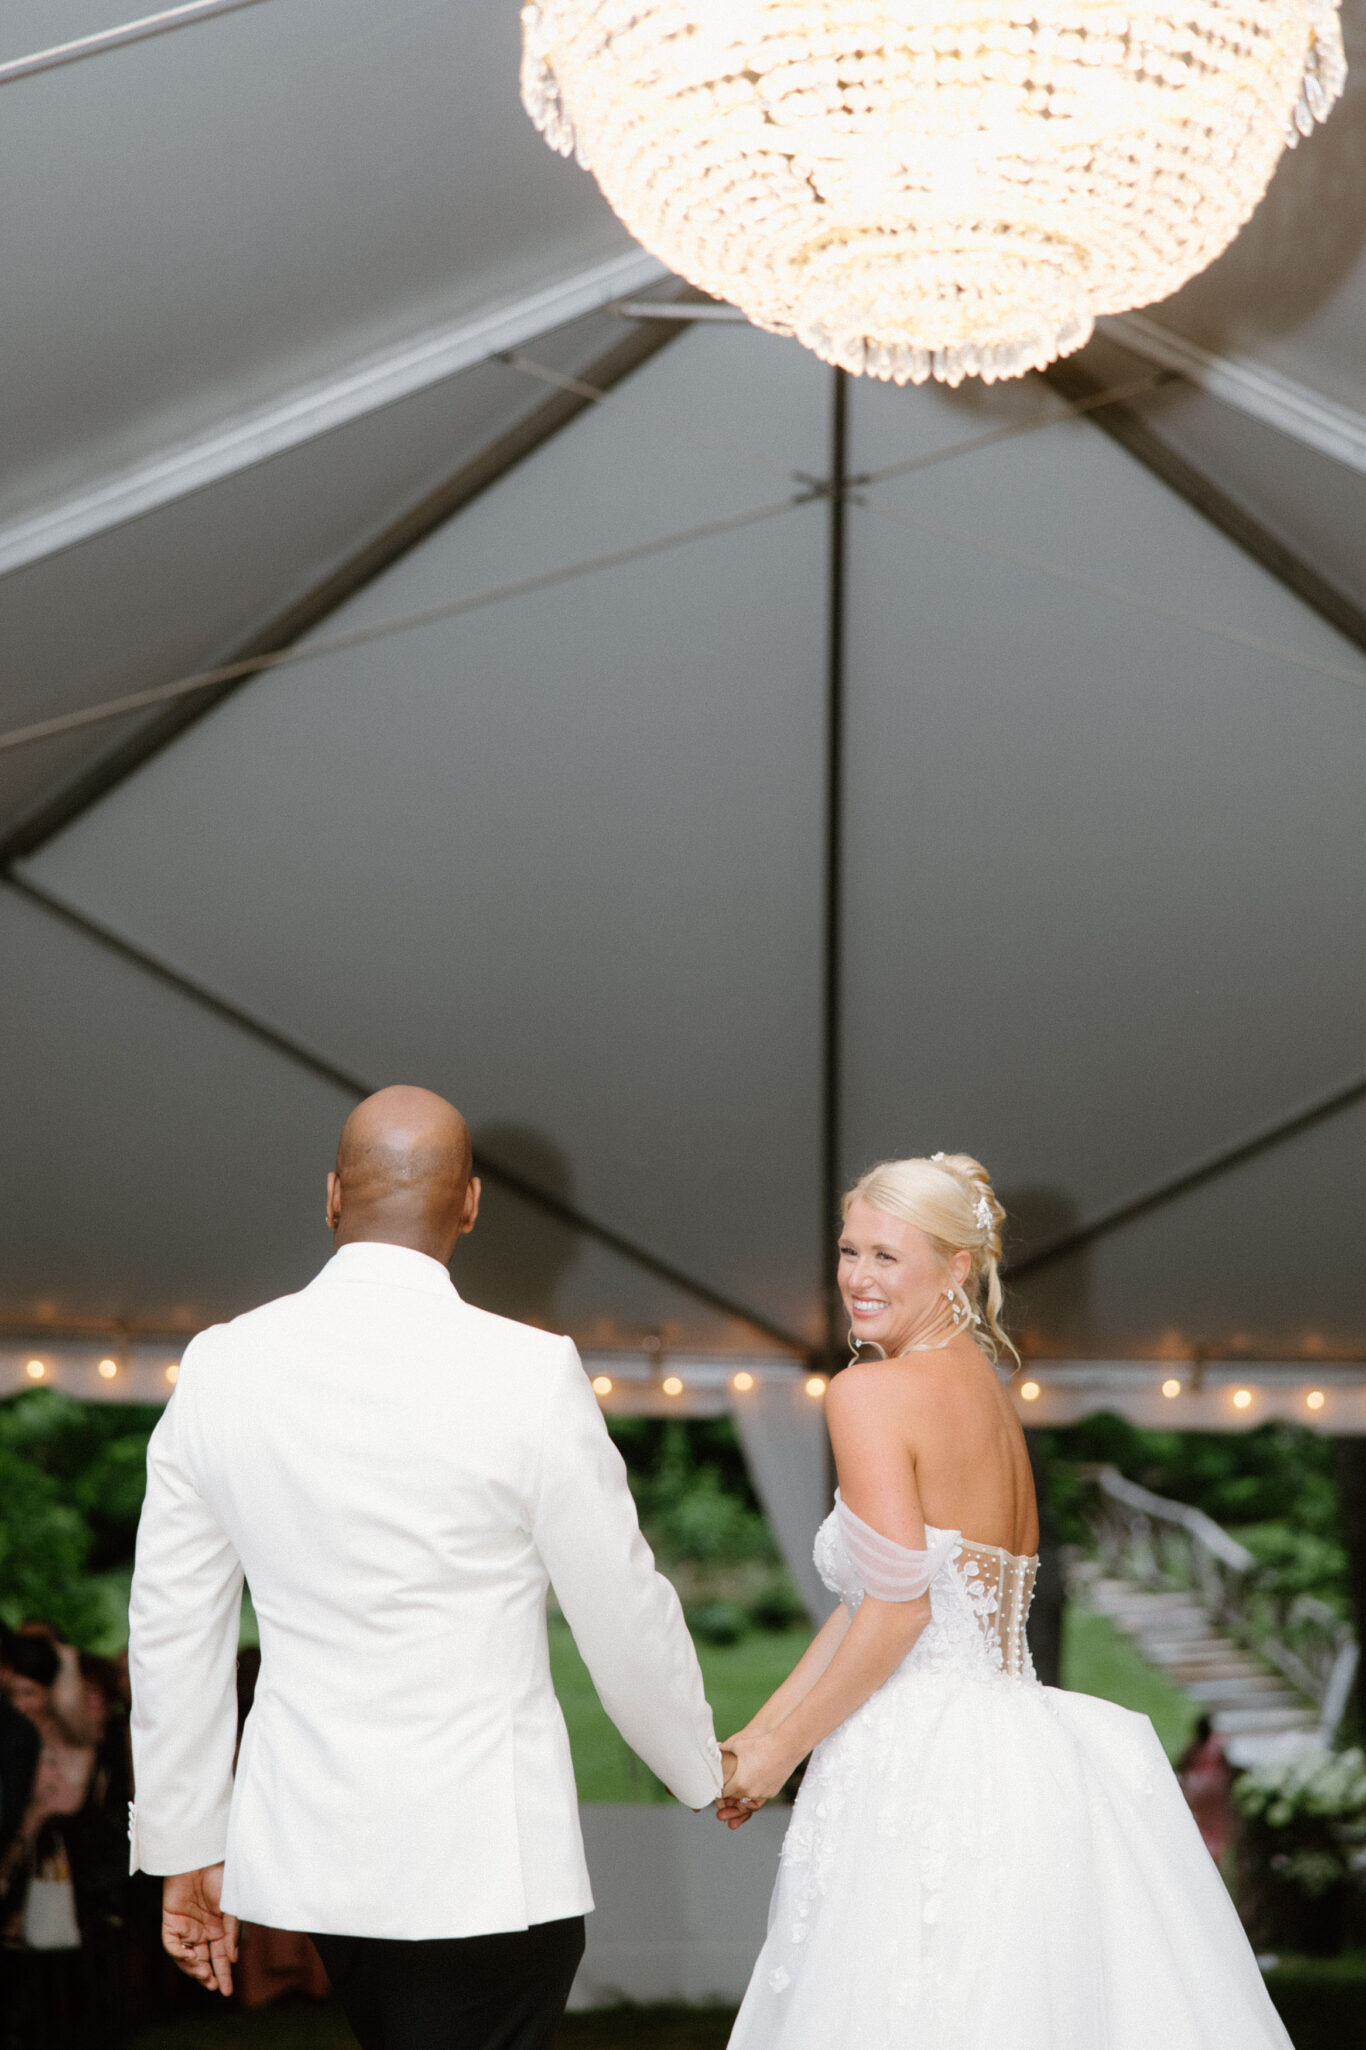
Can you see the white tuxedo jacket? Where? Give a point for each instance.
(400, 1476)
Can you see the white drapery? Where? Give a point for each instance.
(782, 1435)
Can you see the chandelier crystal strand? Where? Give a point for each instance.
(931, 188)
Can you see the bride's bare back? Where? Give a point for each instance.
(934, 1438)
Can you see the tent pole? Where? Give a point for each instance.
(831, 1048)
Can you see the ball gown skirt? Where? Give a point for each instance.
(977, 1862)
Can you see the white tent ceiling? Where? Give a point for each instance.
(302, 328)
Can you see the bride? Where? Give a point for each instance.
(974, 1862)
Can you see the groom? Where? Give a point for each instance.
(400, 1477)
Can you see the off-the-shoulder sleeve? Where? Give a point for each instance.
(891, 1572)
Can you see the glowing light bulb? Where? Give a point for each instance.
(742, 1382)
(35, 1370)
(815, 1387)
(173, 1372)
(1030, 1391)
(602, 1384)
(1315, 1399)
(672, 1385)
(107, 1369)
(1171, 1389)
(1242, 1398)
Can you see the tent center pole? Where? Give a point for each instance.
(831, 1019)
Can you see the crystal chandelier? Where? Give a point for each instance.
(944, 188)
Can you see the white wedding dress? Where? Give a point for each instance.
(977, 1862)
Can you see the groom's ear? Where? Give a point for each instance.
(470, 1210)
(333, 1210)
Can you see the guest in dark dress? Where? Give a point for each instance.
(1207, 1783)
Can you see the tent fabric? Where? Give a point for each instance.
(562, 855)
(782, 1434)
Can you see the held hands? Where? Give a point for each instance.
(194, 1929)
(758, 1764)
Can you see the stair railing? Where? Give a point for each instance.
(1162, 1544)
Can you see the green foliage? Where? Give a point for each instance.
(1309, 1812)
(692, 1490)
(71, 1484)
(1276, 1473)
(777, 1606)
(1292, 1561)
(44, 1544)
(1310, 1785)
(1321, 2000)
(109, 1493)
(717, 1622)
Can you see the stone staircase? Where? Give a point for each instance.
(1252, 1705)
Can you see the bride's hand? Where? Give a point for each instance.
(758, 1768)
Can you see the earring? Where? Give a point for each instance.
(955, 1306)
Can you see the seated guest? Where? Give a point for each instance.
(1207, 1783)
(96, 1838)
(35, 1674)
(46, 1973)
(19, 1743)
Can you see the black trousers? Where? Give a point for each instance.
(503, 1992)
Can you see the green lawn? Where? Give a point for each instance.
(739, 1677)
(1098, 1659)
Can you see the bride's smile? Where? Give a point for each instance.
(898, 1286)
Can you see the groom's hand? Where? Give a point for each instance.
(194, 1929)
(732, 1808)
(762, 1761)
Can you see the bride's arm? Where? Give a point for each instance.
(804, 1674)
(848, 1661)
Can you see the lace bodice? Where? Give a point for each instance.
(979, 1594)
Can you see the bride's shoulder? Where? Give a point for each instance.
(914, 1394)
(874, 1389)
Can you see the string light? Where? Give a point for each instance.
(1030, 1391)
(1171, 1389)
(107, 1369)
(923, 188)
(1315, 1399)
(173, 1372)
(1242, 1398)
(742, 1382)
(602, 1384)
(35, 1370)
(815, 1387)
(671, 1385)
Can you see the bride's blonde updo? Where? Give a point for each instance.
(950, 1199)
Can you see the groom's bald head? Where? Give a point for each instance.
(403, 1173)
